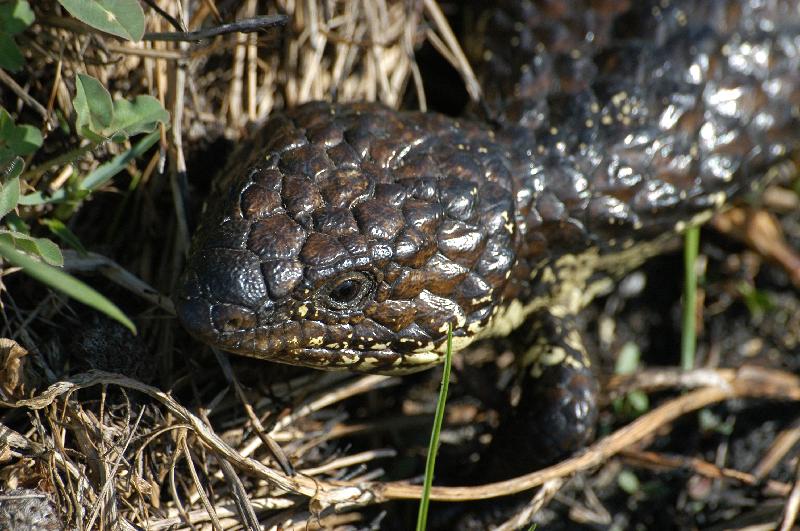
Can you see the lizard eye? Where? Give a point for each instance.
(348, 292)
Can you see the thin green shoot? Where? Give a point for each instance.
(689, 328)
(433, 446)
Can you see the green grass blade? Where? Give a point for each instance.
(60, 230)
(63, 282)
(95, 179)
(433, 446)
(689, 332)
(107, 170)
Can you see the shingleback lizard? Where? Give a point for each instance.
(351, 236)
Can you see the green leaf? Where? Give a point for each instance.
(691, 247)
(9, 196)
(16, 224)
(27, 140)
(627, 359)
(758, 302)
(21, 242)
(41, 247)
(39, 198)
(63, 282)
(63, 122)
(15, 16)
(11, 169)
(49, 251)
(638, 401)
(10, 56)
(6, 125)
(95, 179)
(63, 233)
(123, 18)
(16, 139)
(100, 118)
(142, 115)
(628, 481)
(710, 421)
(93, 106)
(106, 171)
(635, 402)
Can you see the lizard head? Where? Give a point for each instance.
(339, 251)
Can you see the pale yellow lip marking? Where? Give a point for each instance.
(422, 358)
(349, 360)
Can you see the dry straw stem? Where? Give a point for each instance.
(781, 445)
(790, 510)
(661, 462)
(747, 382)
(94, 262)
(22, 94)
(542, 497)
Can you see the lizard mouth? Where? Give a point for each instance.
(371, 361)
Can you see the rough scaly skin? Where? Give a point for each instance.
(349, 236)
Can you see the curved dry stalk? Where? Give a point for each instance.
(659, 378)
(660, 462)
(747, 382)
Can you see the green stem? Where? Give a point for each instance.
(68, 157)
(433, 446)
(689, 333)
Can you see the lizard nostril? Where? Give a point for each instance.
(231, 318)
(234, 323)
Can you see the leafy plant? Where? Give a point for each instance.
(38, 257)
(98, 118)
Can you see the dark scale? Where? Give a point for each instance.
(351, 236)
